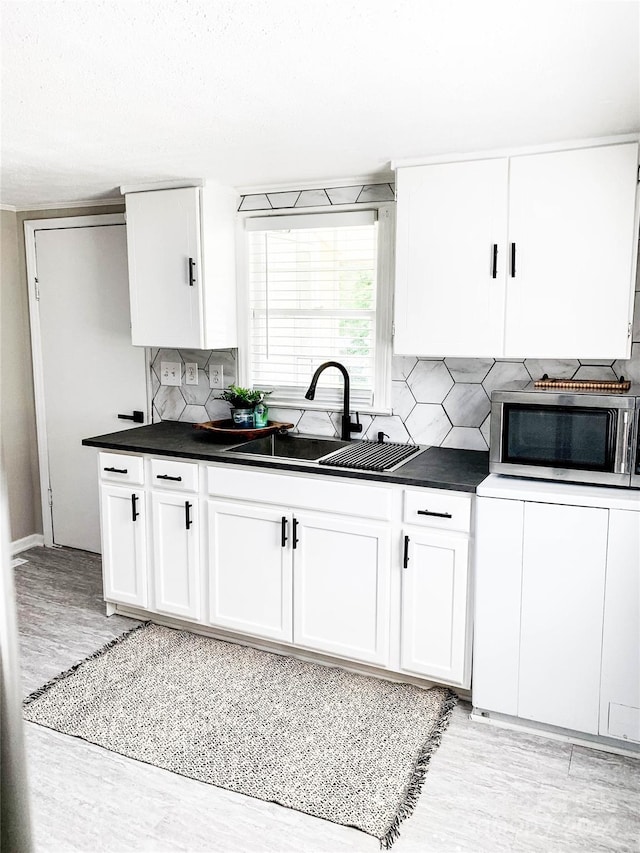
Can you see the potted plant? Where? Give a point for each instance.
(243, 402)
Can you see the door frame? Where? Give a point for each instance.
(31, 227)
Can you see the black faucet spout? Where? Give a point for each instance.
(347, 426)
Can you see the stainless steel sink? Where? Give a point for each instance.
(357, 455)
(287, 446)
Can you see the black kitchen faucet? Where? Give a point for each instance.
(347, 425)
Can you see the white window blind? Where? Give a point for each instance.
(312, 298)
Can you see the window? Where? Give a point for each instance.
(318, 292)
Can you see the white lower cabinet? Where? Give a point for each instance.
(341, 586)
(435, 596)
(620, 686)
(557, 610)
(176, 554)
(250, 586)
(124, 544)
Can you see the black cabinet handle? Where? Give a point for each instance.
(187, 514)
(513, 260)
(134, 511)
(494, 261)
(192, 277)
(138, 417)
(435, 514)
(294, 544)
(283, 531)
(167, 477)
(116, 470)
(405, 557)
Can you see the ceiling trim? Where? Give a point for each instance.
(9, 207)
(63, 205)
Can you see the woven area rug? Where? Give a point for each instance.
(348, 748)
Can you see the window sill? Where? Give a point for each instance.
(312, 406)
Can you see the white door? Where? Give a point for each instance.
(341, 580)
(124, 553)
(563, 574)
(571, 220)
(450, 261)
(86, 370)
(163, 233)
(435, 583)
(250, 569)
(176, 554)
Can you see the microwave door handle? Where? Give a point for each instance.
(625, 442)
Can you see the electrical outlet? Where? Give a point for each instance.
(215, 376)
(170, 373)
(191, 373)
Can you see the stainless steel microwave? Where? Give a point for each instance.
(581, 437)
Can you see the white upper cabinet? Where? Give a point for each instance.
(182, 278)
(451, 222)
(524, 256)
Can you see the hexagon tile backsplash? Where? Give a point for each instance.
(442, 402)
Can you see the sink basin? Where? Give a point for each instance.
(291, 447)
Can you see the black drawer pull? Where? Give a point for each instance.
(137, 416)
(167, 477)
(134, 511)
(192, 277)
(187, 514)
(294, 544)
(283, 531)
(513, 260)
(494, 261)
(405, 558)
(116, 470)
(435, 514)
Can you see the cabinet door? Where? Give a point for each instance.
(341, 587)
(448, 295)
(176, 568)
(571, 218)
(620, 683)
(250, 569)
(435, 595)
(124, 552)
(563, 572)
(497, 596)
(165, 275)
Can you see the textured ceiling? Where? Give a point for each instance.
(263, 93)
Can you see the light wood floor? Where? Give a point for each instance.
(487, 790)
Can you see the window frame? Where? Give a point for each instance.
(384, 306)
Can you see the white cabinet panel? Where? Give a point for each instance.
(571, 218)
(435, 586)
(176, 563)
(250, 569)
(449, 219)
(563, 573)
(120, 468)
(181, 252)
(341, 587)
(498, 590)
(124, 552)
(620, 683)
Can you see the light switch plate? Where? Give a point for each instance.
(170, 373)
(215, 376)
(191, 373)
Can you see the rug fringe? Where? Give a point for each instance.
(98, 653)
(416, 781)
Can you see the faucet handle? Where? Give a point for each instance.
(357, 427)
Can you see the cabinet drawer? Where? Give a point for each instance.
(176, 476)
(118, 468)
(320, 493)
(433, 508)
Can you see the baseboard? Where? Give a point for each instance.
(27, 542)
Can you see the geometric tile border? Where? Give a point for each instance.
(358, 194)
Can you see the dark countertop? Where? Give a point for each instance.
(436, 467)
